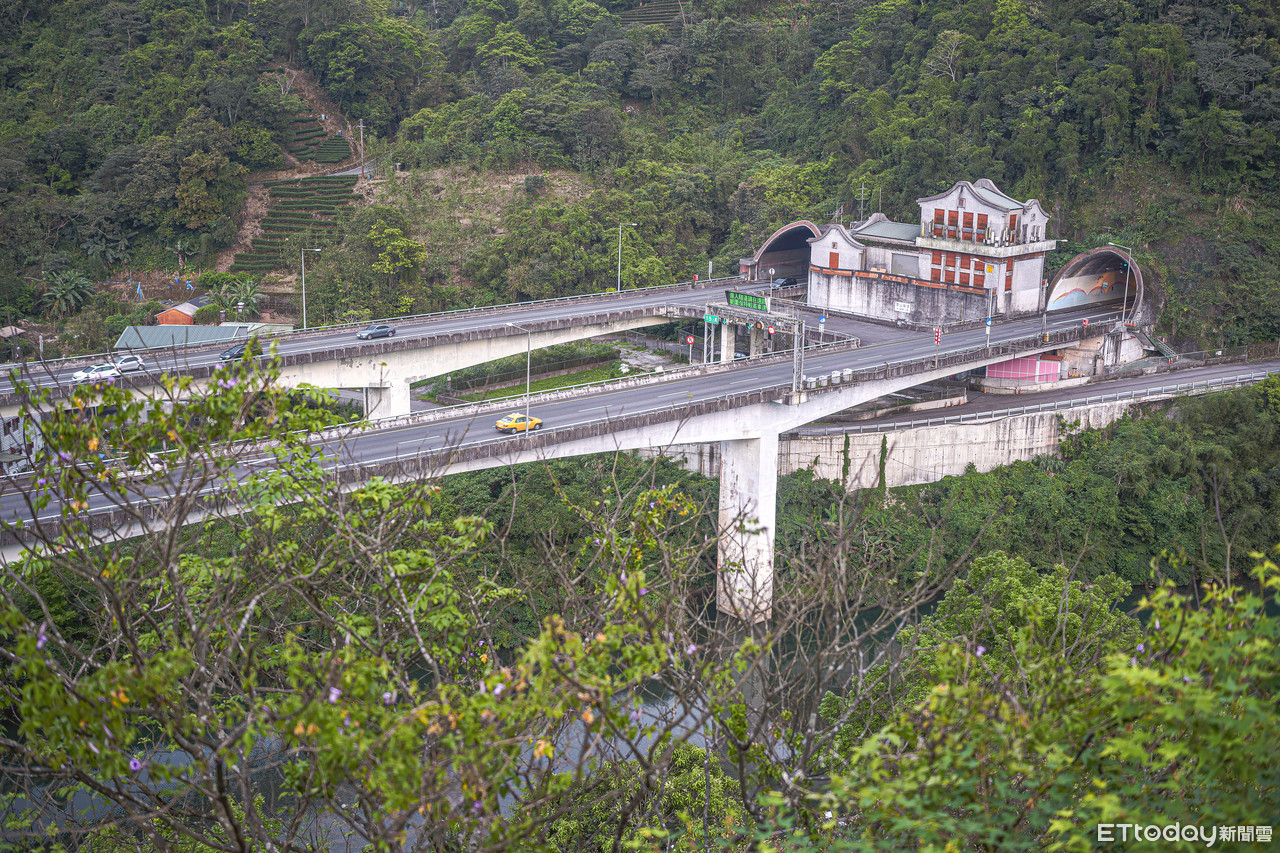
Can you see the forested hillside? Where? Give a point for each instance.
(127, 128)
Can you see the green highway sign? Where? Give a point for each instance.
(711, 318)
(747, 300)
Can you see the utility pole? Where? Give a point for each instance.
(862, 201)
(797, 358)
(361, 126)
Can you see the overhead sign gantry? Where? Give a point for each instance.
(757, 313)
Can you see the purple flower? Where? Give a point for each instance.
(644, 590)
(595, 541)
(387, 698)
(135, 765)
(335, 693)
(651, 504)
(42, 482)
(692, 648)
(636, 715)
(64, 456)
(477, 807)
(41, 636)
(1141, 646)
(982, 650)
(1157, 624)
(1133, 661)
(498, 688)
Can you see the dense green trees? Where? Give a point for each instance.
(1153, 123)
(438, 666)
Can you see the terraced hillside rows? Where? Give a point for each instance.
(301, 207)
(312, 142)
(668, 13)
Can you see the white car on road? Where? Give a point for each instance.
(96, 373)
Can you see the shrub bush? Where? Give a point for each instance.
(206, 315)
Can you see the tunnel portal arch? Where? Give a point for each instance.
(1101, 275)
(786, 252)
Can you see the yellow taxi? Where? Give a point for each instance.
(517, 422)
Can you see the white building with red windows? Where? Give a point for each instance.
(975, 252)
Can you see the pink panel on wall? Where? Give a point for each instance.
(1030, 369)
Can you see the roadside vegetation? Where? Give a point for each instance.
(429, 659)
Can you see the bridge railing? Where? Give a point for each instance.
(1013, 411)
(533, 303)
(630, 291)
(964, 359)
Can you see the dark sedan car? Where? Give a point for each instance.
(377, 330)
(783, 282)
(248, 349)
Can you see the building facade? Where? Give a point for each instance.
(975, 252)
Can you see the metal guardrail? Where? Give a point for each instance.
(1000, 414)
(631, 291)
(961, 359)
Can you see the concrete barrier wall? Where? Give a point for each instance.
(931, 453)
(915, 456)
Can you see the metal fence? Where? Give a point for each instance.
(1000, 414)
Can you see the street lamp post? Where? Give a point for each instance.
(1124, 297)
(620, 224)
(528, 364)
(304, 286)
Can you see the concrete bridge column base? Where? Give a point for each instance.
(748, 509)
(387, 401)
(728, 337)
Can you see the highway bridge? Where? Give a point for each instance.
(742, 405)
(423, 347)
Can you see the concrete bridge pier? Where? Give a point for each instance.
(747, 521)
(728, 338)
(386, 400)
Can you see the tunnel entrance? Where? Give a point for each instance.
(786, 252)
(1104, 274)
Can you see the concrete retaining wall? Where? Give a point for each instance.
(931, 453)
(916, 456)
(880, 298)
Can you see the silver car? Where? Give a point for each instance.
(129, 363)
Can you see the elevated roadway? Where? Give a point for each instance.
(423, 347)
(743, 405)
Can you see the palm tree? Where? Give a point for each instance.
(242, 292)
(246, 292)
(66, 291)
